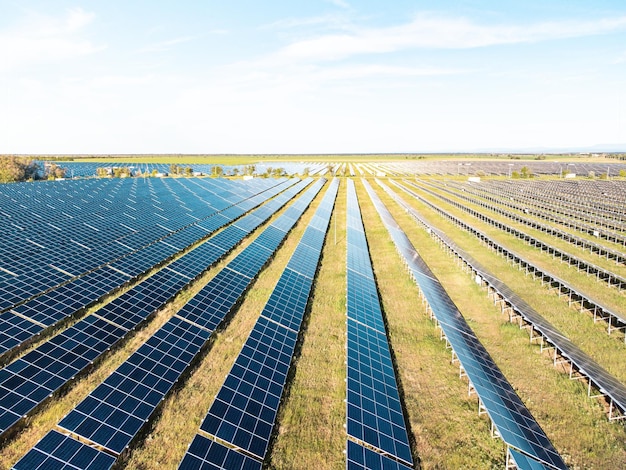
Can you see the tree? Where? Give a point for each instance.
(526, 172)
(622, 173)
(121, 172)
(188, 171)
(102, 172)
(217, 171)
(54, 171)
(14, 169)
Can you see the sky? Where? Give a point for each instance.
(310, 77)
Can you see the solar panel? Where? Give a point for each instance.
(114, 412)
(205, 454)
(250, 261)
(15, 330)
(245, 407)
(304, 259)
(359, 457)
(374, 411)
(60, 452)
(117, 409)
(512, 419)
(209, 306)
(363, 305)
(270, 238)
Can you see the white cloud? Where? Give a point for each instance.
(163, 46)
(339, 3)
(46, 39)
(432, 32)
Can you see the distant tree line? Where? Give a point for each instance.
(14, 169)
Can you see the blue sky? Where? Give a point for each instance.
(316, 76)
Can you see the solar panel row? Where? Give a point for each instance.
(112, 415)
(514, 422)
(56, 263)
(462, 192)
(587, 267)
(374, 411)
(520, 198)
(50, 308)
(359, 457)
(607, 383)
(599, 308)
(19, 394)
(246, 405)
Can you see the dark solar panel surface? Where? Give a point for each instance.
(15, 330)
(246, 406)
(112, 414)
(359, 457)
(205, 454)
(374, 411)
(59, 452)
(115, 411)
(512, 419)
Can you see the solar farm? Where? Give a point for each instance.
(387, 315)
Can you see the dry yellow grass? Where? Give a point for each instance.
(310, 431)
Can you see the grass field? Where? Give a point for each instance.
(444, 427)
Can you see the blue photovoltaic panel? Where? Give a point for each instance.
(359, 261)
(270, 238)
(286, 222)
(214, 222)
(362, 301)
(244, 410)
(31, 379)
(359, 457)
(209, 306)
(249, 222)
(304, 260)
(512, 419)
(374, 409)
(135, 305)
(289, 299)
(228, 237)
(250, 261)
(524, 462)
(115, 411)
(313, 237)
(205, 454)
(15, 330)
(59, 452)
(197, 261)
